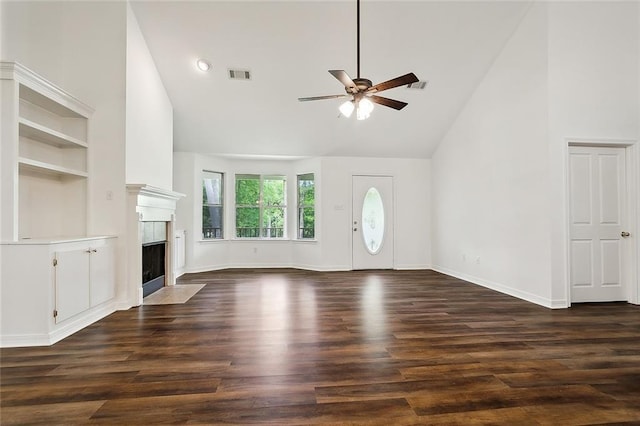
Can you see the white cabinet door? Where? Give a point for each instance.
(71, 283)
(102, 274)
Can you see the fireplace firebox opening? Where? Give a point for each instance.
(153, 267)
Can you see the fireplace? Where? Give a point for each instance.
(151, 250)
(153, 267)
(154, 255)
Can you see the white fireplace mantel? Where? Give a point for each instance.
(148, 203)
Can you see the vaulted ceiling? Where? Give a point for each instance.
(290, 46)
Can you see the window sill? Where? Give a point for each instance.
(253, 240)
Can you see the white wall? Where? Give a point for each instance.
(593, 94)
(80, 46)
(569, 72)
(83, 48)
(332, 248)
(412, 247)
(490, 175)
(149, 115)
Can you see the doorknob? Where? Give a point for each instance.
(624, 234)
(355, 229)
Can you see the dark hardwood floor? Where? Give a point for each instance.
(373, 347)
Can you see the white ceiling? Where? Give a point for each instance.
(290, 46)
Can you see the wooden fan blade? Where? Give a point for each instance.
(344, 78)
(398, 81)
(318, 98)
(391, 103)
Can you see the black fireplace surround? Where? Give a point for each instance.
(153, 267)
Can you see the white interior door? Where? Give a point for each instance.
(372, 222)
(597, 224)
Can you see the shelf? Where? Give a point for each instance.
(27, 164)
(52, 137)
(49, 96)
(45, 151)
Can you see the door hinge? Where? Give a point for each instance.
(55, 313)
(55, 262)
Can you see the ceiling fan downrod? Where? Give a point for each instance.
(361, 91)
(358, 37)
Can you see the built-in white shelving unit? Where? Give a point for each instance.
(45, 144)
(56, 279)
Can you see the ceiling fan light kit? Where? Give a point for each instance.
(347, 108)
(361, 91)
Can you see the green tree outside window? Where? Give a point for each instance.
(260, 206)
(306, 206)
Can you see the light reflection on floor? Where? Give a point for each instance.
(276, 306)
(374, 316)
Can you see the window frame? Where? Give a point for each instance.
(259, 233)
(220, 235)
(301, 206)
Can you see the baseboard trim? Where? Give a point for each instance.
(417, 267)
(69, 327)
(529, 297)
(269, 266)
(501, 288)
(24, 340)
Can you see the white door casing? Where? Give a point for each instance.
(597, 214)
(365, 254)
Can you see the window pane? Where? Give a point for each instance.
(309, 195)
(211, 221)
(306, 191)
(306, 199)
(306, 221)
(273, 222)
(273, 191)
(372, 220)
(247, 190)
(247, 222)
(212, 200)
(212, 188)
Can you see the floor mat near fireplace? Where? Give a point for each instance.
(172, 294)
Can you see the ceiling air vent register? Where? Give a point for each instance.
(239, 74)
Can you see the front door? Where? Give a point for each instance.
(597, 224)
(372, 222)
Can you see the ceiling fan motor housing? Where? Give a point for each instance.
(362, 84)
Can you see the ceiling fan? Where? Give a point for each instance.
(361, 90)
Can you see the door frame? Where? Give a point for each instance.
(632, 168)
(393, 208)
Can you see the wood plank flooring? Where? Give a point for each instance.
(372, 347)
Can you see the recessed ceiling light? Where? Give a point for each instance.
(203, 65)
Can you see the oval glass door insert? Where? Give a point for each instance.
(372, 221)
